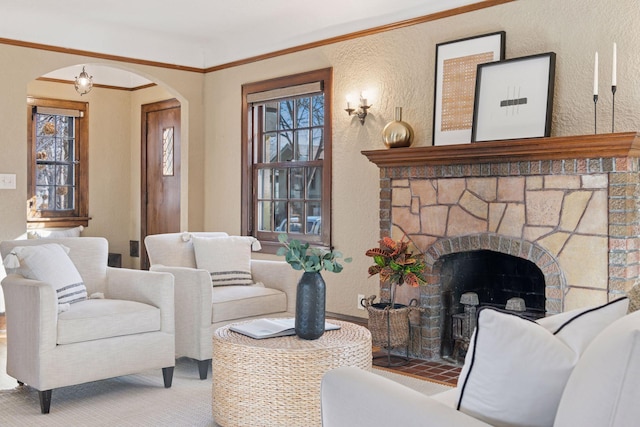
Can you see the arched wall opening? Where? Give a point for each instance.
(115, 103)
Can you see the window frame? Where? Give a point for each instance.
(80, 213)
(269, 240)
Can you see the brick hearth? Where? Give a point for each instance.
(569, 205)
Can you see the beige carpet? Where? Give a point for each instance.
(135, 400)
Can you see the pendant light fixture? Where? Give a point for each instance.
(84, 82)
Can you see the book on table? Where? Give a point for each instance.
(271, 328)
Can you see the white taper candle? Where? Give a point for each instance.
(595, 76)
(615, 66)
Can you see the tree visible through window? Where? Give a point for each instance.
(287, 158)
(58, 138)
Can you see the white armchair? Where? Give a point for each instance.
(130, 330)
(202, 308)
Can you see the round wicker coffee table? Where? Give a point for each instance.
(276, 381)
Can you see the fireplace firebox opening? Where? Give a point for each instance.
(474, 279)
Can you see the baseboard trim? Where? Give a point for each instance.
(353, 319)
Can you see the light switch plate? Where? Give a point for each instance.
(7, 181)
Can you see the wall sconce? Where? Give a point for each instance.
(83, 83)
(361, 112)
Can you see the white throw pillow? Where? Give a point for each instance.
(50, 263)
(603, 389)
(227, 259)
(577, 328)
(53, 233)
(514, 371)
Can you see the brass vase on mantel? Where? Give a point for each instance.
(397, 133)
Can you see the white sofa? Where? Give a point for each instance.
(602, 388)
(49, 345)
(202, 308)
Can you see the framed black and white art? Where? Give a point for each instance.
(456, 67)
(514, 98)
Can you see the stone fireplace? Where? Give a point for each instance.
(564, 209)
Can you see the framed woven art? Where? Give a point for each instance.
(455, 81)
(514, 98)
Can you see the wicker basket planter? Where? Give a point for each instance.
(389, 327)
(396, 265)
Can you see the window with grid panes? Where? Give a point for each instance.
(57, 162)
(287, 159)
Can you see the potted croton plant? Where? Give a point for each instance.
(396, 264)
(311, 291)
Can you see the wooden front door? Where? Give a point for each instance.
(160, 171)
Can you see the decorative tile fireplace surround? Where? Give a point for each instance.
(569, 205)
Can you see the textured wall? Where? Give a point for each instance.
(397, 68)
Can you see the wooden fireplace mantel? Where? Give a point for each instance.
(626, 144)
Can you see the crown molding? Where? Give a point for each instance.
(358, 34)
(363, 33)
(70, 82)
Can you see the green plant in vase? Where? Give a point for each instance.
(311, 290)
(396, 264)
(301, 256)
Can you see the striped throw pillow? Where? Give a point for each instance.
(227, 259)
(50, 263)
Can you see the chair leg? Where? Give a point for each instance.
(45, 401)
(167, 375)
(203, 368)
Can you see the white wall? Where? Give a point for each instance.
(398, 68)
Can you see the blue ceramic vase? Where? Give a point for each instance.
(310, 306)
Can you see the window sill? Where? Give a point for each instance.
(58, 222)
(271, 247)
